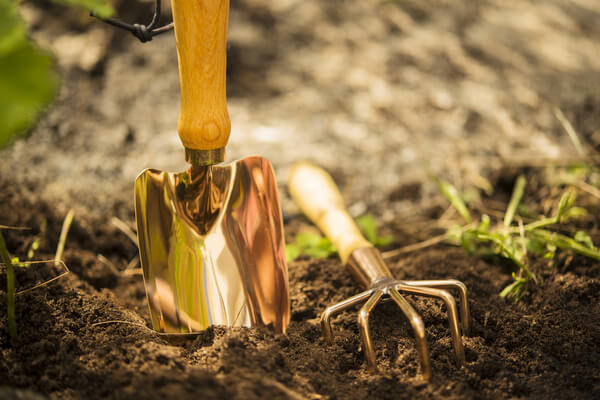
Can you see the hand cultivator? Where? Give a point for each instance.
(318, 197)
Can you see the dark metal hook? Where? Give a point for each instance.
(142, 32)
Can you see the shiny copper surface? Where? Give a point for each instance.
(367, 266)
(212, 247)
(205, 157)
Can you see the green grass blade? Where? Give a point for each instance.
(515, 199)
(515, 289)
(10, 287)
(570, 131)
(453, 196)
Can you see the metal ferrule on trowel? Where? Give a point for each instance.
(211, 238)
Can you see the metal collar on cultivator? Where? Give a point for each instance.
(318, 197)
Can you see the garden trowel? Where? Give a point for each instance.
(211, 238)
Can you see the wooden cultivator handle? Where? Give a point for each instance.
(318, 197)
(201, 35)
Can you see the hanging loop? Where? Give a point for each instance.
(142, 32)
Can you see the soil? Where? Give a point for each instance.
(378, 93)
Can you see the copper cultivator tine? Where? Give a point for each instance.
(339, 307)
(451, 310)
(419, 329)
(450, 284)
(318, 197)
(363, 322)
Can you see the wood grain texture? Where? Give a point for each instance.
(318, 197)
(201, 35)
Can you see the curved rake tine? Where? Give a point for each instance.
(419, 330)
(465, 315)
(448, 299)
(336, 308)
(363, 322)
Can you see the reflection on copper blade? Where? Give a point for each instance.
(212, 247)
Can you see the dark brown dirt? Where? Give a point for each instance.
(371, 90)
(545, 346)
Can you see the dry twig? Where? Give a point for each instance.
(123, 227)
(63, 236)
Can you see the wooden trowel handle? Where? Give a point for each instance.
(318, 197)
(201, 35)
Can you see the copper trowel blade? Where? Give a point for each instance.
(212, 247)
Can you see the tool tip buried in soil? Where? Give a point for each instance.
(211, 238)
(318, 197)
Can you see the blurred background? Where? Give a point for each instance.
(378, 92)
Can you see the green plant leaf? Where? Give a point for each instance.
(323, 249)
(454, 235)
(584, 238)
(16, 261)
(515, 289)
(468, 240)
(507, 249)
(307, 240)
(566, 202)
(100, 7)
(575, 213)
(484, 225)
(292, 251)
(566, 243)
(310, 244)
(12, 29)
(515, 199)
(453, 196)
(368, 226)
(384, 240)
(535, 245)
(505, 241)
(27, 80)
